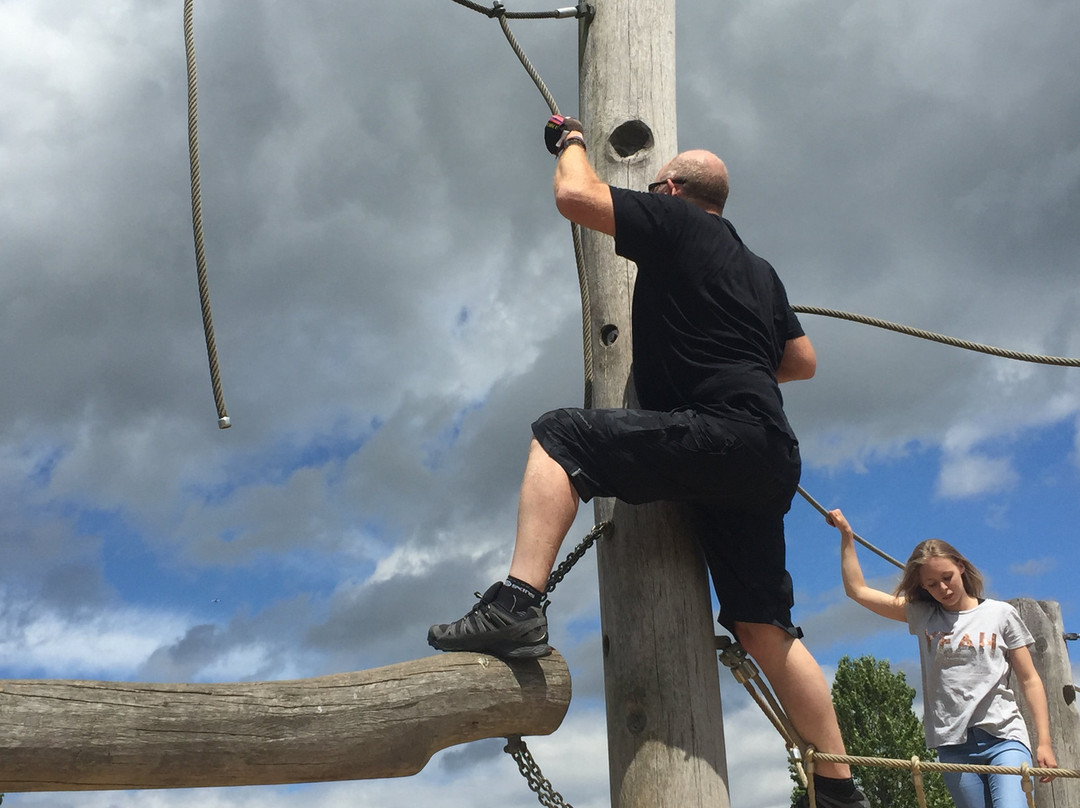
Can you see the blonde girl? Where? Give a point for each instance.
(972, 649)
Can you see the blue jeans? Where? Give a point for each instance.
(970, 790)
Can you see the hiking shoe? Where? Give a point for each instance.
(854, 800)
(490, 628)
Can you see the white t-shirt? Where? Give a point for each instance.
(965, 670)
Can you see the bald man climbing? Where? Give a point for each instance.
(713, 336)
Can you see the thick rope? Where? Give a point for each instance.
(938, 766)
(582, 10)
(575, 230)
(549, 99)
(196, 217)
(586, 313)
(858, 538)
(917, 767)
(930, 335)
(746, 673)
(917, 780)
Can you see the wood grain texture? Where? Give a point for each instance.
(1051, 657)
(58, 735)
(661, 679)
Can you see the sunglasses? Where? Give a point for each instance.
(654, 187)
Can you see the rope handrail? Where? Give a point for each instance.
(734, 657)
(918, 766)
(1062, 361)
(938, 766)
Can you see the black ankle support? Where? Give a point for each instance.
(834, 786)
(517, 595)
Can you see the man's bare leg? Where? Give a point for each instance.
(546, 509)
(500, 623)
(800, 687)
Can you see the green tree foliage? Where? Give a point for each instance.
(873, 706)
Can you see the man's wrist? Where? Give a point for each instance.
(569, 140)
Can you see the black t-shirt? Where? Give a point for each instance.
(710, 318)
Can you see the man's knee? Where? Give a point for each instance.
(763, 640)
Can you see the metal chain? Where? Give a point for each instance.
(540, 785)
(515, 746)
(560, 571)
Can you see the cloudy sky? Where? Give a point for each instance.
(395, 300)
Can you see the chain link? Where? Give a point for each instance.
(515, 745)
(575, 555)
(540, 785)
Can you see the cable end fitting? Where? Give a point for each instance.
(224, 422)
(581, 10)
(584, 10)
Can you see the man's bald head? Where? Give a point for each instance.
(704, 178)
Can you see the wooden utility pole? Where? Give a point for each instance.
(1051, 657)
(60, 735)
(664, 719)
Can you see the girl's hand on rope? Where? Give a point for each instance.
(835, 518)
(1044, 759)
(855, 586)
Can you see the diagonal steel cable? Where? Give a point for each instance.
(497, 9)
(818, 507)
(583, 10)
(1063, 361)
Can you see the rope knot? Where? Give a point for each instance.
(1026, 780)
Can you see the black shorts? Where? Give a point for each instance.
(740, 478)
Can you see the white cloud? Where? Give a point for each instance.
(106, 645)
(395, 300)
(1034, 567)
(974, 474)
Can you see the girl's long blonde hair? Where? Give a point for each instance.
(910, 587)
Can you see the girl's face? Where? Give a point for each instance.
(941, 577)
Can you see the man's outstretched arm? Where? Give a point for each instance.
(580, 195)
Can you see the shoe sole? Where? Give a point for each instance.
(527, 652)
(503, 651)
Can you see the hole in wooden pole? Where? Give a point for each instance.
(631, 137)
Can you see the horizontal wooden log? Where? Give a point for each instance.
(58, 735)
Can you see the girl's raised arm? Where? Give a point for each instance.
(875, 600)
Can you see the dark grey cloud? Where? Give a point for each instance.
(394, 295)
